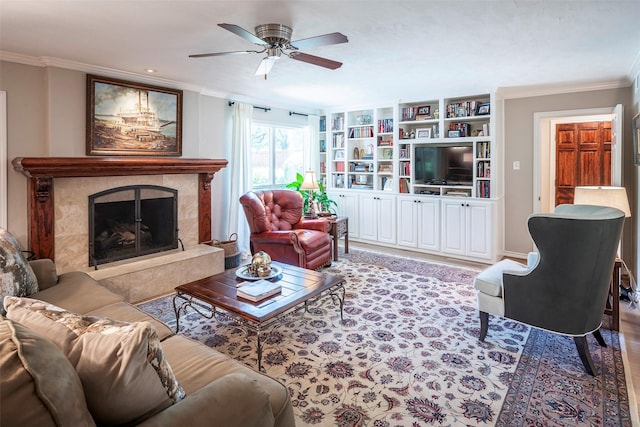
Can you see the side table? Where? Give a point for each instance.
(613, 300)
(339, 228)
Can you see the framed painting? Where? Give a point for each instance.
(132, 119)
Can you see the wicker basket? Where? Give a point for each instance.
(231, 252)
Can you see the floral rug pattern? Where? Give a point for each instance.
(408, 355)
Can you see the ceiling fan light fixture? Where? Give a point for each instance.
(275, 39)
(274, 53)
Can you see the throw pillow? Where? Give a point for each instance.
(121, 365)
(16, 275)
(39, 385)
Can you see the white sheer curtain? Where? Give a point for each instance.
(240, 172)
(312, 151)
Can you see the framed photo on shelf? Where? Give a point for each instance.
(423, 133)
(403, 153)
(387, 153)
(425, 110)
(636, 139)
(454, 134)
(483, 109)
(132, 119)
(338, 155)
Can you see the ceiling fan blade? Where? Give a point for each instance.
(235, 52)
(266, 65)
(315, 60)
(323, 40)
(239, 31)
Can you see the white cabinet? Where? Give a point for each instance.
(419, 222)
(467, 228)
(348, 206)
(378, 218)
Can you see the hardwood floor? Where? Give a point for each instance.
(629, 322)
(630, 332)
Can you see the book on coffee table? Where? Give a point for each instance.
(258, 290)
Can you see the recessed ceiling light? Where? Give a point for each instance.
(150, 70)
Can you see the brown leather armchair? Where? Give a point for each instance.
(277, 227)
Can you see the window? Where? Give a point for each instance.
(277, 154)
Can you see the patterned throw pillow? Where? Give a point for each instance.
(124, 373)
(39, 385)
(16, 275)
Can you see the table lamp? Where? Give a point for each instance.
(310, 184)
(614, 197)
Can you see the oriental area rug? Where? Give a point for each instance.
(408, 354)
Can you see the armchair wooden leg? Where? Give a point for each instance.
(484, 325)
(585, 356)
(599, 338)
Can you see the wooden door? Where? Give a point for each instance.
(583, 157)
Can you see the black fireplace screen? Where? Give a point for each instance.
(131, 221)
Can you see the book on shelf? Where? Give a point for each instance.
(404, 185)
(385, 140)
(385, 125)
(258, 290)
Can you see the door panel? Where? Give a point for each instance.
(583, 157)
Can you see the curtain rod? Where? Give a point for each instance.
(265, 109)
(293, 113)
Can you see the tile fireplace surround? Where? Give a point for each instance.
(58, 226)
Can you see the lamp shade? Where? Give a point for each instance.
(309, 182)
(613, 197)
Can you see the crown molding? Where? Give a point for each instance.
(558, 89)
(21, 59)
(45, 61)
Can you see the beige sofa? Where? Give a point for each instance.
(219, 391)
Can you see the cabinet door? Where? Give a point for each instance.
(479, 230)
(350, 209)
(453, 227)
(428, 224)
(347, 206)
(386, 218)
(368, 217)
(407, 222)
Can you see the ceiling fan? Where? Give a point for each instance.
(275, 40)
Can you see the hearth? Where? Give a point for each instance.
(131, 221)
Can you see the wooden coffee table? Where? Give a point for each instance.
(217, 296)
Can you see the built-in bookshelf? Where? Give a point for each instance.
(361, 149)
(429, 163)
(337, 152)
(374, 149)
(322, 142)
(385, 146)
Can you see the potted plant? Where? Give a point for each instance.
(320, 196)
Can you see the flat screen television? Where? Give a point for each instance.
(444, 165)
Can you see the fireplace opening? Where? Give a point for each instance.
(127, 222)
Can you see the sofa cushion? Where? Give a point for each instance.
(45, 271)
(125, 375)
(16, 275)
(78, 292)
(197, 365)
(39, 385)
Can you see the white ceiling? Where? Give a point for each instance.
(397, 50)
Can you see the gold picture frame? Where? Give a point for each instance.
(132, 119)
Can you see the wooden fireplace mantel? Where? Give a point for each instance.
(42, 170)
